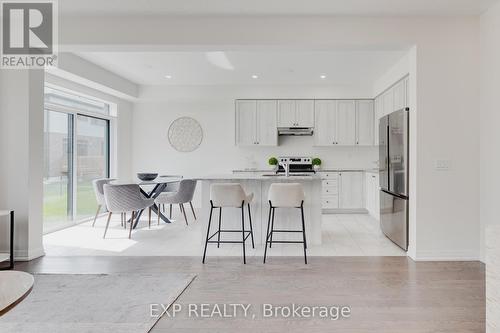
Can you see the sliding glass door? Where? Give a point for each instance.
(92, 151)
(58, 162)
(76, 151)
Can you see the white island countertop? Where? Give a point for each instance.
(261, 176)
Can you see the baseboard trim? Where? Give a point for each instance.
(446, 256)
(344, 211)
(23, 255)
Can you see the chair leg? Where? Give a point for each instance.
(304, 233)
(208, 234)
(251, 228)
(131, 225)
(192, 209)
(170, 210)
(272, 228)
(184, 213)
(267, 232)
(220, 219)
(125, 220)
(243, 232)
(149, 217)
(96, 214)
(159, 212)
(107, 224)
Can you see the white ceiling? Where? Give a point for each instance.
(274, 7)
(237, 68)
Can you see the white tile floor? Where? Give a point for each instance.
(343, 235)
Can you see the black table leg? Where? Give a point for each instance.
(157, 190)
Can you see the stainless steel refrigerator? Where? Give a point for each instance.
(393, 131)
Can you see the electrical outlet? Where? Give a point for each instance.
(442, 165)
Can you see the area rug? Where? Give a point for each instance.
(94, 303)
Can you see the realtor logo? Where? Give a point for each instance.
(29, 34)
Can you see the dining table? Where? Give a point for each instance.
(151, 189)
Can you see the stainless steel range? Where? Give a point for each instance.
(295, 165)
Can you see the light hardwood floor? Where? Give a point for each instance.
(386, 294)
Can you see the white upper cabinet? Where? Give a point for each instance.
(399, 91)
(256, 123)
(365, 123)
(286, 113)
(388, 102)
(296, 113)
(407, 91)
(379, 108)
(246, 123)
(305, 113)
(267, 123)
(346, 123)
(325, 122)
(351, 194)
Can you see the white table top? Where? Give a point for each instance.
(5, 212)
(159, 180)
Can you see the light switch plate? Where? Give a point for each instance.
(442, 165)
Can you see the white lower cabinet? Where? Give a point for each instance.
(372, 194)
(343, 190)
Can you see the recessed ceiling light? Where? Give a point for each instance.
(255, 76)
(168, 76)
(323, 76)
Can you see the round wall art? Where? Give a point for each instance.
(185, 134)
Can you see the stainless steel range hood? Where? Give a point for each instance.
(296, 131)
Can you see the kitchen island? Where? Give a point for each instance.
(258, 183)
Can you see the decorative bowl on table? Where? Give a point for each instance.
(146, 177)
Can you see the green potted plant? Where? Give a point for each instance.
(316, 162)
(273, 161)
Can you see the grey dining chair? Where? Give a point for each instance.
(98, 185)
(125, 198)
(184, 194)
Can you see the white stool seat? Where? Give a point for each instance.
(229, 195)
(289, 195)
(5, 212)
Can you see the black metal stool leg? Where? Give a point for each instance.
(218, 235)
(267, 231)
(243, 231)
(208, 232)
(272, 228)
(11, 264)
(304, 231)
(251, 228)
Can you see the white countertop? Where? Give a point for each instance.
(260, 176)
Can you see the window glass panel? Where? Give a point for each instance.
(92, 161)
(57, 198)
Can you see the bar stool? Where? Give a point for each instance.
(285, 195)
(229, 196)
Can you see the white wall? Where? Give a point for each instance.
(21, 162)
(490, 120)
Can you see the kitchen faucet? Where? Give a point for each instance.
(285, 166)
